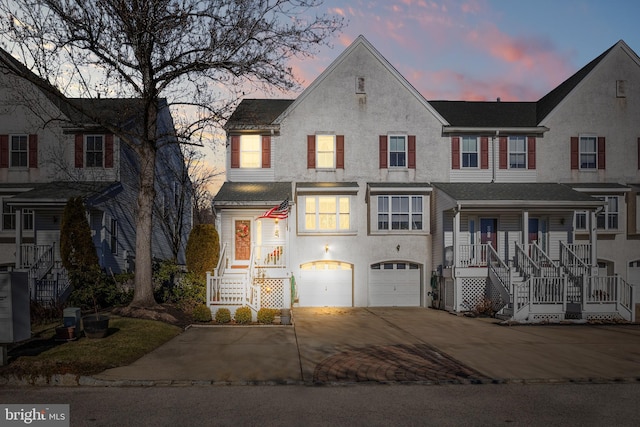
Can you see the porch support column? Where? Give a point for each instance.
(18, 222)
(456, 237)
(525, 228)
(593, 240)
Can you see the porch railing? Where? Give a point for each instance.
(269, 256)
(571, 261)
(499, 268)
(548, 267)
(30, 254)
(525, 264)
(472, 255)
(581, 250)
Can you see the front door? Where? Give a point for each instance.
(489, 232)
(242, 241)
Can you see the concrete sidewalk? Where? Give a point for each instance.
(328, 345)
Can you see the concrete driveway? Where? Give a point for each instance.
(328, 345)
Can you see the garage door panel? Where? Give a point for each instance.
(394, 287)
(325, 284)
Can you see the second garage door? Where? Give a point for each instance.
(394, 284)
(325, 284)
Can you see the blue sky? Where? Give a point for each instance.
(482, 49)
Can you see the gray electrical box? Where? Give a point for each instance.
(71, 317)
(15, 319)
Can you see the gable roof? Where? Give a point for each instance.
(361, 41)
(256, 114)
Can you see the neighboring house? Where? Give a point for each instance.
(50, 151)
(399, 201)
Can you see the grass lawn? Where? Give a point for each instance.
(128, 340)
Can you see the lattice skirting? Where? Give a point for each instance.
(547, 317)
(272, 293)
(475, 290)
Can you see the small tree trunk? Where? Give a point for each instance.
(143, 290)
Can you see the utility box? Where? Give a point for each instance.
(15, 318)
(71, 317)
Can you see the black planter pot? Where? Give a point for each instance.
(95, 326)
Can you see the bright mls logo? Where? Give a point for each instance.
(39, 415)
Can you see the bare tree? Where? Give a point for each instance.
(200, 177)
(194, 53)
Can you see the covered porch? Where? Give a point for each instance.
(512, 248)
(252, 270)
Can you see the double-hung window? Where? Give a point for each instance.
(581, 220)
(325, 151)
(398, 151)
(94, 151)
(250, 151)
(517, 152)
(400, 213)
(469, 152)
(19, 151)
(327, 213)
(608, 218)
(588, 152)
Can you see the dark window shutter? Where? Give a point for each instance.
(504, 152)
(412, 152)
(339, 151)
(531, 152)
(266, 151)
(235, 151)
(601, 153)
(575, 153)
(108, 150)
(4, 151)
(311, 151)
(455, 152)
(383, 151)
(484, 152)
(79, 150)
(638, 153)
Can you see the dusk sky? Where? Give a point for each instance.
(517, 50)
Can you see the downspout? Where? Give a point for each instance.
(493, 154)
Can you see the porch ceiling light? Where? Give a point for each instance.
(326, 248)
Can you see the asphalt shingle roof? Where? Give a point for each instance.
(487, 114)
(61, 191)
(253, 192)
(256, 113)
(551, 192)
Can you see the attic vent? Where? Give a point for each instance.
(360, 85)
(621, 88)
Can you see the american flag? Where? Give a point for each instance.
(278, 212)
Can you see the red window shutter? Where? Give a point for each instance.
(383, 151)
(266, 151)
(4, 151)
(455, 152)
(575, 164)
(235, 151)
(108, 150)
(531, 152)
(339, 151)
(79, 150)
(484, 152)
(33, 151)
(504, 152)
(311, 151)
(412, 152)
(601, 153)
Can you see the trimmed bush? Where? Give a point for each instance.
(243, 315)
(201, 313)
(203, 250)
(223, 315)
(267, 315)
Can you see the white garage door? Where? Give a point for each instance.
(394, 284)
(325, 284)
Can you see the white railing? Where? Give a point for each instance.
(499, 267)
(548, 290)
(572, 262)
(472, 255)
(548, 267)
(525, 264)
(582, 251)
(30, 254)
(269, 256)
(43, 264)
